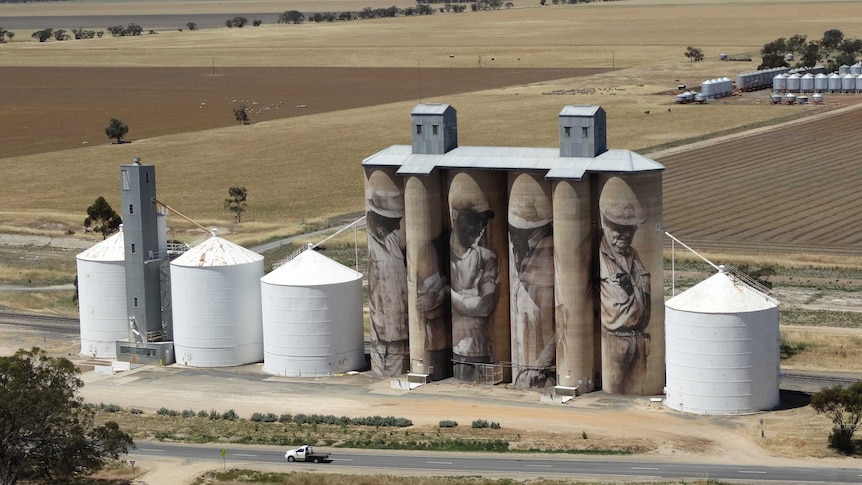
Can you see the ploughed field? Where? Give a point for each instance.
(56, 108)
(794, 188)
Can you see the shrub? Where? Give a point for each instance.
(163, 411)
(214, 414)
(136, 411)
(257, 417)
(584, 434)
(230, 415)
(495, 425)
(111, 408)
(480, 423)
(189, 413)
(285, 418)
(202, 414)
(446, 423)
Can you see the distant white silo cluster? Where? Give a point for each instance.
(848, 80)
(754, 80)
(723, 349)
(312, 318)
(102, 297)
(717, 88)
(215, 294)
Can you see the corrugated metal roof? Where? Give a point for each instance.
(719, 294)
(310, 268)
(111, 249)
(216, 251)
(579, 110)
(511, 158)
(430, 109)
(623, 161)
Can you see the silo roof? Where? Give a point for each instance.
(720, 294)
(430, 109)
(310, 268)
(216, 251)
(111, 249)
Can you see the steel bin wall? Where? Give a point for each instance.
(102, 297)
(722, 355)
(312, 318)
(215, 294)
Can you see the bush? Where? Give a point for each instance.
(136, 411)
(202, 414)
(446, 423)
(214, 415)
(480, 423)
(230, 415)
(189, 413)
(842, 440)
(111, 408)
(163, 411)
(495, 425)
(285, 418)
(584, 434)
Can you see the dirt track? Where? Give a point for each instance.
(74, 105)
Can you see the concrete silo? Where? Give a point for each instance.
(102, 297)
(531, 281)
(215, 292)
(312, 318)
(723, 349)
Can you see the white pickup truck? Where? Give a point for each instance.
(306, 453)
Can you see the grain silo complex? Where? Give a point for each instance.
(512, 264)
(723, 349)
(102, 297)
(215, 294)
(312, 318)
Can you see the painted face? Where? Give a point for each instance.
(470, 227)
(620, 237)
(382, 225)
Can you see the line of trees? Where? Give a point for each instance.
(833, 48)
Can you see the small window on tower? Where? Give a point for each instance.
(586, 131)
(418, 129)
(147, 177)
(136, 303)
(131, 208)
(434, 129)
(568, 131)
(133, 248)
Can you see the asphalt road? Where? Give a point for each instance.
(555, 466)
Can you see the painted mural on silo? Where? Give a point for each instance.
(427, 269)
(531, 281)
(631, 285)
(387, 273)
(478, 275)
(574, 314)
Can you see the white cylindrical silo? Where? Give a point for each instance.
(793, 83)
(312, 318)
(848, 83)
(856, 68)
(779, 83)
(806, 84)
(821, 83)
(859, 83)
(843, 69)
(706, 88)
(834, 82)
(102, 297)
(215, 294)
(723, 349)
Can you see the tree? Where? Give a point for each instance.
(192, 26)
(238, 22)
(843, 405)
(832, 39)
(61, 34)
(241, 115)
(48, 431)
(694, 54)
(811, 54)
(43, 35)
(117, 130)
(236, 201)
(102, 218)
(291, 17)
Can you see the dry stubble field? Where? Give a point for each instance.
(306, 167)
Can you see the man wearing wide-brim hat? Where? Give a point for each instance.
(387, 277)
(624, 287)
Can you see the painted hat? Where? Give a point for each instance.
(529, 205)
(382, 196)
(619, 204)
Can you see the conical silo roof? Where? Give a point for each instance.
(111, 249)
(216, 251)
(311, 268)
(719, 294)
